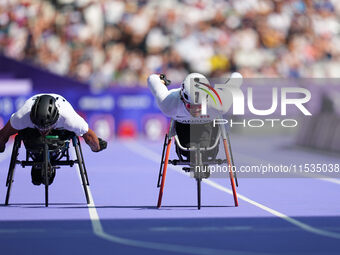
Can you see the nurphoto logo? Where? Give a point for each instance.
(220, 95)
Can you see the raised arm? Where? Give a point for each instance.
(157, 87)
(167, 101)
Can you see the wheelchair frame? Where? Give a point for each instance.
(47, 162)
(170, 136)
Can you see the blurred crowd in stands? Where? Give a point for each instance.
(110, 42)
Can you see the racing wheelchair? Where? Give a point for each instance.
(48, 153)
(197, 157)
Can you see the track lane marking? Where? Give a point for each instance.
(98, 230)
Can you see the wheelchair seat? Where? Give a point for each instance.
(196, 135)
(199, 143)
(33, 140)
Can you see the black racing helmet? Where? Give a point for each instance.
(44, 112)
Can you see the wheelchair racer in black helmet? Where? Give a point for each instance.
(46, 112)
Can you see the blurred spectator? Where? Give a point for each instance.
(110, 42)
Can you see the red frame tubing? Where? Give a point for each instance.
(225, 142)
(166, 160)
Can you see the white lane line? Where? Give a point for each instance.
(311, 176)
(99, 231)
(203, 229)
(147, 153)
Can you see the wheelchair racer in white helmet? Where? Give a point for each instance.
(193, 107)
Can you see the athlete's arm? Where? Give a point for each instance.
(5, 133)
(92, 140)
(167, 101)
(19, 120)
(72, 121)
(156, 85)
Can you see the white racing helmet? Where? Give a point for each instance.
(189, 92)
(191, 95)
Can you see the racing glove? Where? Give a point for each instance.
(102, 144)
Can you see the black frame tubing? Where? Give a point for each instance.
(83, 162)
(160, 174)
(10, 175)
(198, 162)
(81, 170)
(199, 180)
(45, 166)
